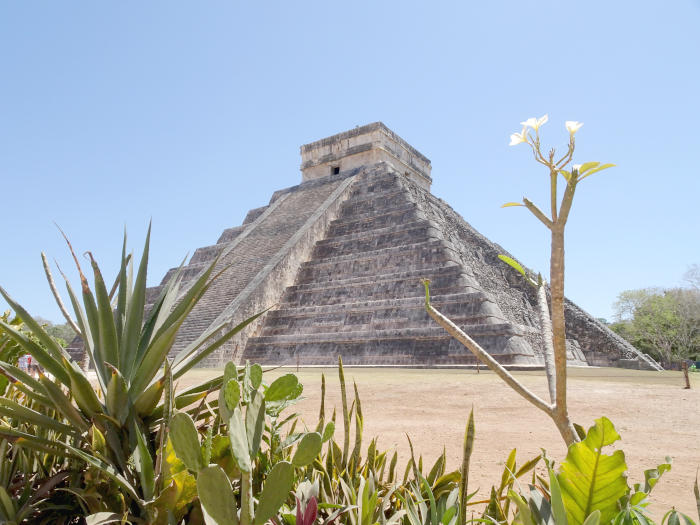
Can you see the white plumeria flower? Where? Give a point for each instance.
(518, 138)
(535, 123)
(572, 126)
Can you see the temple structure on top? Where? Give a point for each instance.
(341, 258)
(364, 146)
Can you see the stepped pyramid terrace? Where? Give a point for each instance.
(341, 257)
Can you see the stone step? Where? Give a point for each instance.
(229, 234)
(189, 272)
(472, 302)
(405, 212)
(430, 254)
(448, 270)
(206, 254)
(367, 289)
(358, 207)
(432, 345)
(375, 184)
(394, 228)
(250, 255)
(395, 235)
(415, 353)
(426, 332)
(254, 214)
(367, 320)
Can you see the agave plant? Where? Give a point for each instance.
(114, 431)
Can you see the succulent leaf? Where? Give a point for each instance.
(216, 495)
(309, 447)
(275, 492)
(185, 440)
(239, 441)
(281, 388)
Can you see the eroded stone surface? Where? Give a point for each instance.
(342, 257)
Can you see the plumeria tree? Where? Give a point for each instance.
(551, 315)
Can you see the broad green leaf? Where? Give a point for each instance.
(308, 449)
(276, 490)
(256, 375)
(232, 394)
(583, 168)
(185, 440)
(239, 441)
(255, 422)
(281, 388)
(328, 431)
(595, 170)
(591, 480)
(216, 494)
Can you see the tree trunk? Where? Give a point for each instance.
(685, 374)
(561, 415)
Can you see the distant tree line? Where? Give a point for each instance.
(664, 323)
(62, 333)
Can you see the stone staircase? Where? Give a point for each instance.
(360, 295)
(247, 251)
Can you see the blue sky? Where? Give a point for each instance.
(191, 113)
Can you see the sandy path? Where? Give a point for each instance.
(650, 410)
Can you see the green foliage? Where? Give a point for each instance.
(62, 333)
(134, 450)
(249, 412)
(111, 437)
(663, 323)
(10, 350)
(590, 488)
(591, 480)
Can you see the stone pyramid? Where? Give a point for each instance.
(341, 258)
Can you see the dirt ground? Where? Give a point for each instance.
(655, 416)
